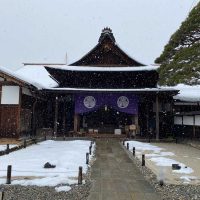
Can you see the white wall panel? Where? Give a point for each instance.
(10, 95)
(178, 120)
(188, 120)
(197, 120)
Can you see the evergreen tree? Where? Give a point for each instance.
(180, 60)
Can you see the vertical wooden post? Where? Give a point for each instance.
(147, 110)
(76, 123)
(9, 169)
(134, 151)
(34, 127)
(56, 118)
(24, 143)
(143, 160)
(7, 149)
(127, 146)
(194, 129)
(80, 175)
(64, 119)
(136, 123)
(157, 118)
(90, 150)
(87, 158)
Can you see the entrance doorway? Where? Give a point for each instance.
(106, 120)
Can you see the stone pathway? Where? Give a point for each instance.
(115, 177)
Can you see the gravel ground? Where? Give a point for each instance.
(168, 191)
(18, 192)
(45, 193)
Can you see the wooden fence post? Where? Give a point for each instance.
(8, 149)
(143, 160)
(9, 170)
(134, 151)
(127, 146)
(87, 158)
(90, 150)
(45, 136)
(25, 143)
(80, 175)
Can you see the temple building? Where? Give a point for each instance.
(105, 92)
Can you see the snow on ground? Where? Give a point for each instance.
(167, 162)
(63, 188)
(158, 156)
(188, 179)
(3, 147)
(27, 164)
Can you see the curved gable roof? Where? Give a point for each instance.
(107, 53)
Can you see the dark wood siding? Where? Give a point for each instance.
(10, 124)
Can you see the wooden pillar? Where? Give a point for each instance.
(34, 126)
(194, 129)
(157, 118)
(56, 118)
(76, 123)
(64, 119)
(136, 123)
(147, 117)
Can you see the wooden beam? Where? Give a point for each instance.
(56, 118)
(157, 118)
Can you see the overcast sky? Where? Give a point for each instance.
(47, 30)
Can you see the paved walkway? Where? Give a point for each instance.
(115, 177)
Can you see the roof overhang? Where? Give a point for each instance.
(170, 92)
(102, 69)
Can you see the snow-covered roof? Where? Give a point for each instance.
(188, 93)
(37, 76)
(95, 68)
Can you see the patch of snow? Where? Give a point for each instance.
(3, 147)
(62, 188)
(188, 179)
(158, 156)
(140, 146)
(167, 162)
(29, 162)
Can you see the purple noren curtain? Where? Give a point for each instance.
(122, 102)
